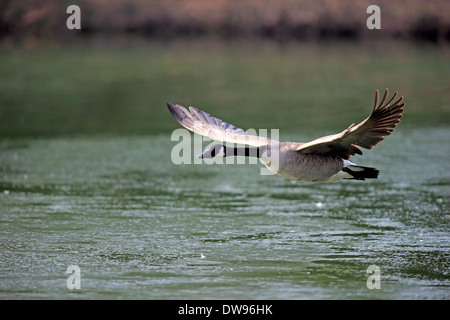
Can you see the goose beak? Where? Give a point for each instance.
(200, 156)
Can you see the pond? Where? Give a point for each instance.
(86, 177)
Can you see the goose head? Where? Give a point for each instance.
(213, 151)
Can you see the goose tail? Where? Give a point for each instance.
(361, 173)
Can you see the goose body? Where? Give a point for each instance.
(325, 159)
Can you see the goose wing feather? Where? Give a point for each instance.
(368, 133)
(203, 123)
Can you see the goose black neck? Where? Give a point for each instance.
(252, 152)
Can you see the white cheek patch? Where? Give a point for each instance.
(221, 153)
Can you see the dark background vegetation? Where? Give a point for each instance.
(282, 19)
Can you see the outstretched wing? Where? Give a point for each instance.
(367, 134)
(204, 124)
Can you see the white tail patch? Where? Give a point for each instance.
(356, 168)
(348, 163)
(353, 166)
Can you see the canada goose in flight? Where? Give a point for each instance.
(324, 159)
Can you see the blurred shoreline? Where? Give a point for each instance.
(283, 20)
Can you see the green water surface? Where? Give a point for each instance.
(86, 176)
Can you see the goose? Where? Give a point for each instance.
(326, 159)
